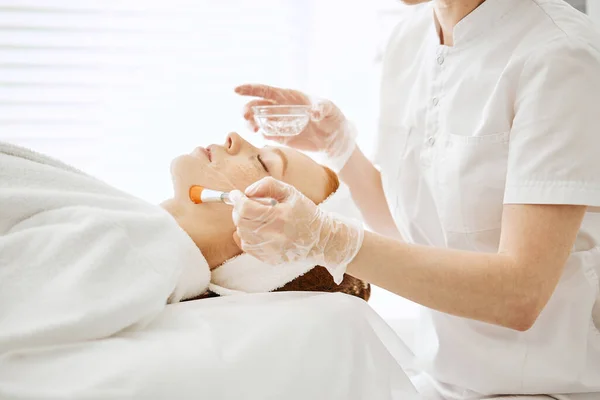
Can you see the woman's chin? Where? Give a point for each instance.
(182, 165)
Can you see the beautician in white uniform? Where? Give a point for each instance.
(484, 202)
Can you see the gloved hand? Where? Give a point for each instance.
(293, 230)
(328, 130)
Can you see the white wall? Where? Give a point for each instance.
(346, 39)
(593, 10)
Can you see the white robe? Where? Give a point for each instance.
(81, 260)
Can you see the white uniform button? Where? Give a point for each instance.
(435, 101)
(431, 140)
(440, 60)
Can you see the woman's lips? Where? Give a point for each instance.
(201, 150)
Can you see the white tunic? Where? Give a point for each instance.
(508, 115)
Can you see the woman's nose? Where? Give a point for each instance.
(234, 143)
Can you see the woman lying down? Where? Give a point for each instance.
(238, 164)
(87, 271)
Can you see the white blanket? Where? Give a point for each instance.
(86, 273)
(252, 347)
(81, 260)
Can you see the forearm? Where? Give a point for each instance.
(364, 181)
(481, 286)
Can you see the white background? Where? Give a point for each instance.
(120, 87)
(593, 9)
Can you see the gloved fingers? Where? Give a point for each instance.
(248, 112)
(256, 243)
(253, 214)
(279, 95)
(250, 212)
(293, 230)
(321, 110)
(237, 198)
(271, 223)
(252, 125)
(271, 188)
(249, 237)
(264, 91)
(266, 251)
(236, 195)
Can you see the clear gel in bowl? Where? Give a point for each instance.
(281, 120)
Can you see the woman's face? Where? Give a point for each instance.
(235, 165)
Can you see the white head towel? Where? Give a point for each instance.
(246, 274)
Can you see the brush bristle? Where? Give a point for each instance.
(196, 194)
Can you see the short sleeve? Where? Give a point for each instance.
(554, 151)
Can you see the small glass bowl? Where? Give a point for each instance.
(282, 120)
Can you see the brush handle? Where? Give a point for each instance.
(265, 200)
(215, 196)
(262, 200)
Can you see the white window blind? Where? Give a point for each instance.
(117, 86)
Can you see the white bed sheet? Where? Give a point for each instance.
(259, 346)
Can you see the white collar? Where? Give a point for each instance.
(481, 20)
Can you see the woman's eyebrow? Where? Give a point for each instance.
(284, 159)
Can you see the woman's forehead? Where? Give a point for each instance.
(298, 160)
(306, 175)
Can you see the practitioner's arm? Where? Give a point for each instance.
(509, 288)
(364, 181)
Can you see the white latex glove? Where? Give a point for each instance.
(328, 130)
(293, 230)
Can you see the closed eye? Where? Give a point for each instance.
(258, 157)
